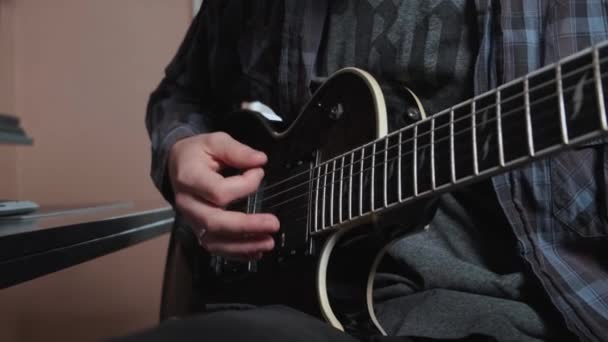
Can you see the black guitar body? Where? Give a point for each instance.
(347, 111)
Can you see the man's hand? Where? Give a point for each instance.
(202, 193)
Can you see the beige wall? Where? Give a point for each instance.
(7, 56)
(81, 74)
(8, 172)
(84, 71)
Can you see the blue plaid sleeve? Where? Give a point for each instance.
(556, 206)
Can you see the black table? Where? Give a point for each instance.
(57, 237)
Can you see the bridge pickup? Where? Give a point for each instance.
(289, 199)
(223, 266)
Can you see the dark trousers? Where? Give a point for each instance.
(268, 324)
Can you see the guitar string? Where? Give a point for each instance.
(461, 105)
(263, 191)
(408, 165)
(386, 150)
(366, 201)
(319, 190)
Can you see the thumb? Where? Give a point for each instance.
(235, 154)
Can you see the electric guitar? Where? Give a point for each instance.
(345, 188)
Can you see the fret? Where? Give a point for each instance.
(399, 191)
(372, 180)
(463, 140)
(384, 181)
(442, 149)
(251, 208)
(512, 116)
(433, 176)
(350, 186)
(501, 149)
(317, 198)
(562, 107)
(331, 196)
(361, 182)
(452, 149)
(309, 210)
(580, 96)
(415, 161)
(474, 135)
(597, 75)
(531, 150)
(340, 217)
(486, 132)
(544, 109)
(323, 200)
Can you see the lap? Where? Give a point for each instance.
(270, 323)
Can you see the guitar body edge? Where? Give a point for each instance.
(349, 110)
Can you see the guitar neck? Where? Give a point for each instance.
(531, 117)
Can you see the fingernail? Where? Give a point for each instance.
(274, 223)
(259, 155)
(270, 244)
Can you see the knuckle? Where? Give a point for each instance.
(242, 149)
(219, 197)
(184, 177)
(254, 183)
(218, 137)
(222, 200)
(243, 223)
(210, 223)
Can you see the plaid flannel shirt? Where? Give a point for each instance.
(557, 207)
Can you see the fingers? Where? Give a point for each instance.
(229, 233)
(220, 190)
(233, 153)
(208, 184)
(223, 222)
(202, 193)
(230, 188)
(236, 224)
(199, 174)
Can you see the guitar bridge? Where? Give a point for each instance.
(223, 266)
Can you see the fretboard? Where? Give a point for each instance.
(528, 118)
